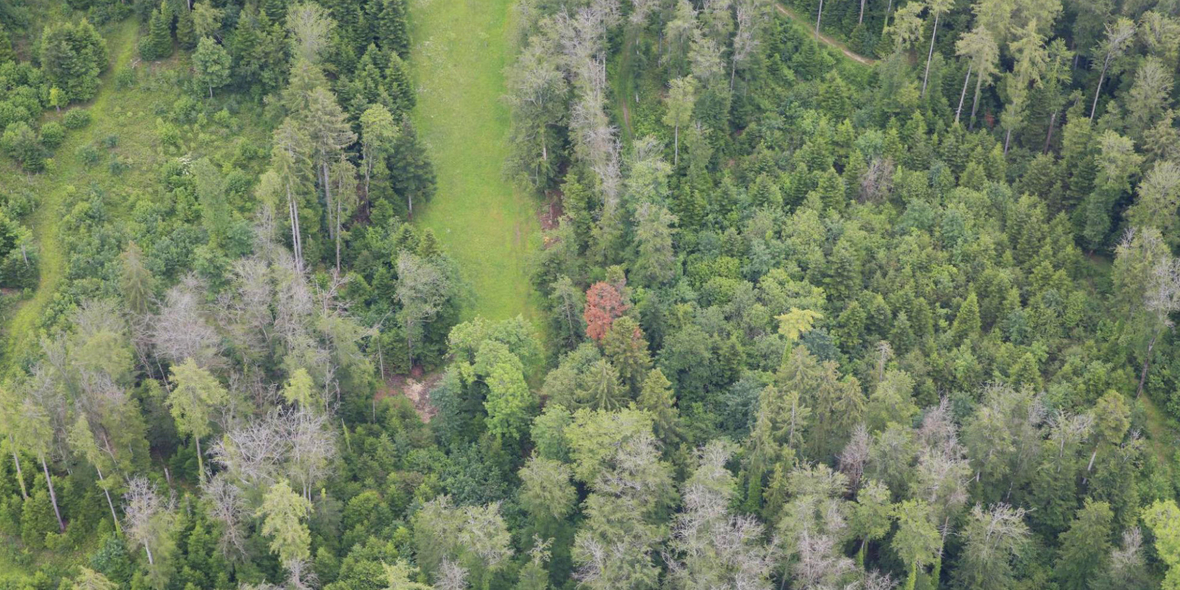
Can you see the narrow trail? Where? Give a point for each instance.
(791, 14)
(51, 187)
(487, 225)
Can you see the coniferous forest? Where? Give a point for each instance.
(589, 294)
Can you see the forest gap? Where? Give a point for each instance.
(488, 226)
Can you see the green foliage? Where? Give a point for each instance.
(211, 64)
(1163, 518)
(72, 57)
(76, 118)
(158, 42)
(843, 246)
(282, 513)
(1085, 545)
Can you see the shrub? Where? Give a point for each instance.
(118, 166)
(52, 134)
(76, 119)
(87, 154)
(125, 78)
(21, 143)
(185, 110)
(110, 142)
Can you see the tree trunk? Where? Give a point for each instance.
(888, 7)
(410, 205)
(151, 561)
(963, 94)
(1049, 136)
(732, 73)
(861, 19)
(338, 214)
(24, 493)
(1098, 90)
(929, 56)
(210, 91)
(1146, 365)
(368, 172)
(61, 525)
(200, 461)
(327, 193)
(293, 213)
(107, 493)
(819, 15)
(380, 360)
(1007, 139)
(676, 151)
(975, 102)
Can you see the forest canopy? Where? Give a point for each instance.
(829, 295)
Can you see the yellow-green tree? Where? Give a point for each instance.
(195, 393)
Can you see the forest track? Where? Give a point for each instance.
(51, 187)
(791, 14)
(490, 227)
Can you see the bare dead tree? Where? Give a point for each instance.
(877, 183)
(311, 446)
(855, 455)
(451, 576)
(146, 515)
(181, 330)
(712, 548)
(244, 310)
(226, 506)
(1162, 299)
(751, 16)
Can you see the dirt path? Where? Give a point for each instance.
(791, 14)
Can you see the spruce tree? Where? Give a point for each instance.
(158, 44)
(186, 34)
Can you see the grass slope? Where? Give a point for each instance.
(460, 50)
(51, 186)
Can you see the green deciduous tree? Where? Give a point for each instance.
(211, 63)
(983, 54)
(378, 130)
(1163, 518)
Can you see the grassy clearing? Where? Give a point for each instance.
(51, 187)
(129, 115)
(460, 50)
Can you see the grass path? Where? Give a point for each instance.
(51, 187)
(460, 50)
(810, 25)
(1162, 433)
